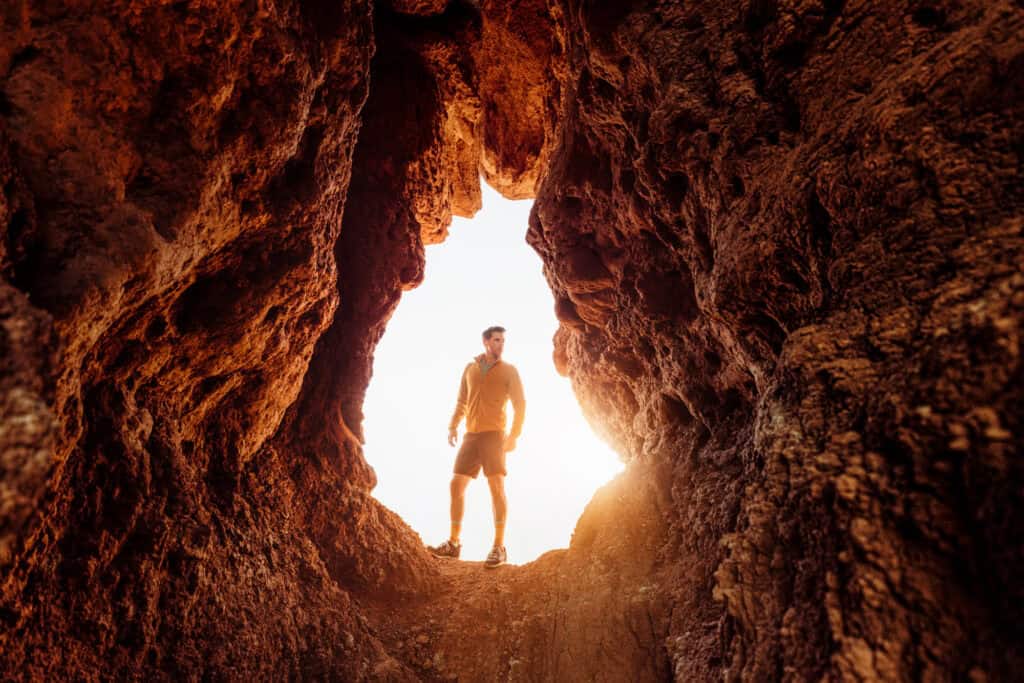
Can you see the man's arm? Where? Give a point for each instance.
(460, 411)
(515, 394)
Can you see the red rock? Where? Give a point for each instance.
(785, 249)
(419, 7)
(810, 201)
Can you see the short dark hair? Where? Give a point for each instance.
(491, 330)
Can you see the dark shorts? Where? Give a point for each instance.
(481, 449)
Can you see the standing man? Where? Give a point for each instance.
(487, 385)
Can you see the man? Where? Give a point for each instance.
(487, 385)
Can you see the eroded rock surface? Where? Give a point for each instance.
(785, 242)
(184, 168)
(785, 245)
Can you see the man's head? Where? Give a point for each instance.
(494, 340)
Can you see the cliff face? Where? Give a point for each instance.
(784, 241)
(175, 189)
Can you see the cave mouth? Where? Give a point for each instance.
(484, 273)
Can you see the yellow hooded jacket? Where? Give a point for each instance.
(483, 395)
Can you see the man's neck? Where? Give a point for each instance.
(491, 359)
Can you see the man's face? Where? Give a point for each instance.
(496, 344)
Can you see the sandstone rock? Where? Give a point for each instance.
(808, 215)
(785, 246)
(419, 7)
(27, 424)
(515, 60)
(184, 170)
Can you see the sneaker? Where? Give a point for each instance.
(496, 557)
(446, 549)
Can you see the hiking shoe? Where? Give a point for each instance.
(446, 549)
(496, 557)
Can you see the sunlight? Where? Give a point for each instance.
(483, 274)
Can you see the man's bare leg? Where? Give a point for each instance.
(500, 506)
(458, 491)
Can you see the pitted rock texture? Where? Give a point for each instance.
(784, 242)
(177, 183)
(26, 383)
(516, 59)
(27, 366)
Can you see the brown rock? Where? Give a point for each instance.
(818, 217)
(516, 58)
(26, 393)
(419, 7)
(184, 170)
(785, 247)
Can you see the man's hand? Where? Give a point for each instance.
(453, 436)
(510, 443)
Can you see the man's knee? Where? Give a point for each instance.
(497, 483)
(458, 485)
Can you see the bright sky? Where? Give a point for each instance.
(484, 274)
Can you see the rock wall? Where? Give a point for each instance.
(784, 241)
(172, 199)
(785, 244)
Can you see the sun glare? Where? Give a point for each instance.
(483, 274)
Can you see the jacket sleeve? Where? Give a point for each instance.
(515, 394)
(460, 404)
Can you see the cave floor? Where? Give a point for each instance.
(446, 632)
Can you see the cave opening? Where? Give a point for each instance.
(483, 274)
(786, 242)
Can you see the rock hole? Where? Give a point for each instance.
(737, 186)
(731, 402)
(603, 17)
(929, 17)
(21, 247)
(790, 274)
(676, 188)
(272, 314)
(235, 292)
(297, 180)
(833, 8)
(792, 55)
(627, 181)
(669, 295)
(23, 57)
(129, 355)
(565, 311)
(309, 320)
(821, 224)
(675, 410)
(586, 168)
(694, 22)
(766, 328)
(759, 14)
(208, 386)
